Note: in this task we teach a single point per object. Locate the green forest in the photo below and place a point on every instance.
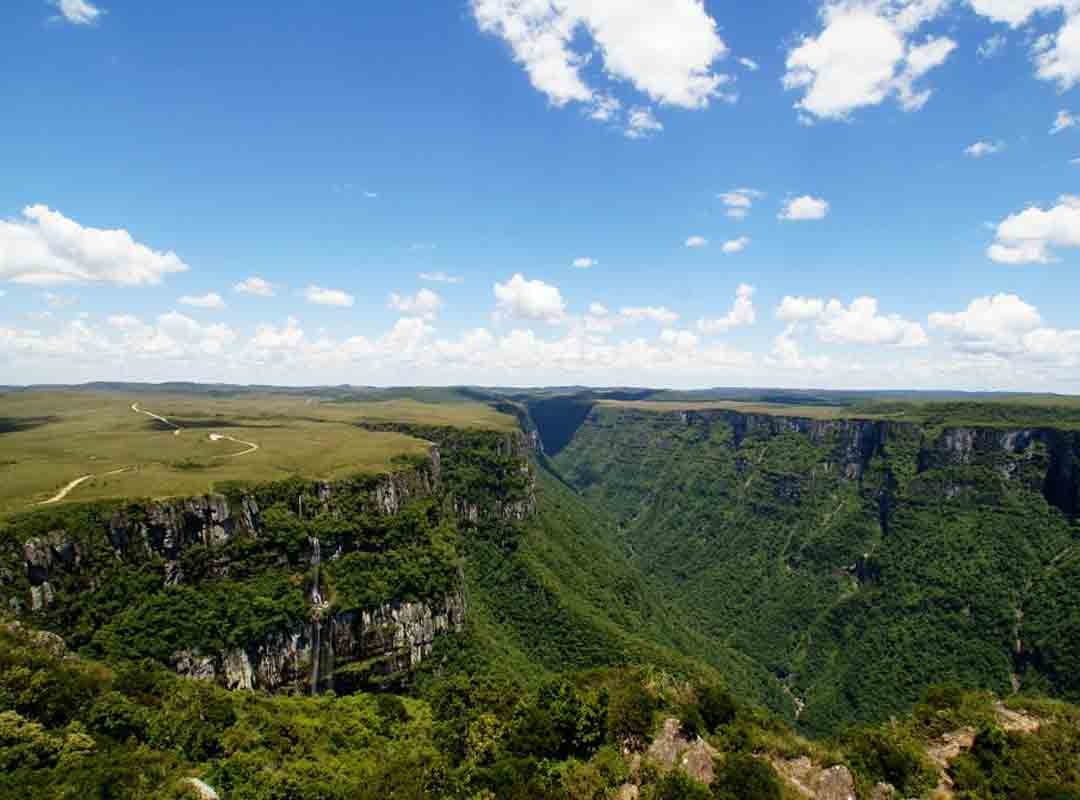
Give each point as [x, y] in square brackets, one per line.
[684, 604]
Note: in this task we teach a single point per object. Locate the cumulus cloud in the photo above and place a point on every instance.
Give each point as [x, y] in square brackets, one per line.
[440, 277]
[995, 324]
[642, 123]
[45, 248]
[983, 149]
[787, 355]
[736, 245]
[317, 295]
[738, 202]
[520, 298]
[585, 263]
[800, 309]
[804, 208]
[212, 300]
[695, 242]
[860, 323]
[750, 64]
[1058, 59]
[664, 49]
[742, 314]
[424, 304]
[659, 314]
[256, 286]
[78, 12]
[1057, 54]
[1063, 121]
[1029, 236]
[865, 53]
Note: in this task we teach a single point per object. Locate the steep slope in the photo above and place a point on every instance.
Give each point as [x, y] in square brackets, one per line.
[861, 561]
[564, 595]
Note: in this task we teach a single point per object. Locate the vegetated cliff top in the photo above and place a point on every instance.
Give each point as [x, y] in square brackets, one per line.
[1049, 411]
[79, 446]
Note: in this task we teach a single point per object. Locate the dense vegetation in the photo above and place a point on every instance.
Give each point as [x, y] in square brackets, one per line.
[859, 574]
[661, 566]
[75, 728]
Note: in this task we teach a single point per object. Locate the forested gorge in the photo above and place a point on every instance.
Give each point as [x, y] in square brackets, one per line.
[663, 606]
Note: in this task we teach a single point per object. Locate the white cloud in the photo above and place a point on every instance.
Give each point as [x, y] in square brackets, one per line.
[787, 355]
[319, 296]
[424, 304]
[1059, 60]
[1063, 121]
[736, 245]
[741, 314]
[641, 124]
[739, 201]
[270, 339]
[124, 321]
[680, 340]
[804, 208]
[750, 64]
[695, 242]
[46, 248]
[256, 286]
[212, 300]
[994, 324]
[992, 46]
[371, 195]
[520, 298]
[1013, 12]
[1029, 236]
[860, 323]
[865, 54]
[659, 314]
[440, 277]
[1057, 54]
[800, 309]
[982, 149]
[664, 49]
[585, 263]
[78, 12]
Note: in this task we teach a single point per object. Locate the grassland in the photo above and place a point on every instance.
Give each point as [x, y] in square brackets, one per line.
[48, 440]
[775, 409]
[1011, 412]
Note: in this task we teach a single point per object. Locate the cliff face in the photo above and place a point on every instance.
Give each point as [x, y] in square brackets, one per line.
[166, 530]
[352, 626]
[849, 557]
[1047, 457]
[389, 641]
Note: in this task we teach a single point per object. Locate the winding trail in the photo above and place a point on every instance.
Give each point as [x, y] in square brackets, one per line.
[77, 483]
[251, 446]
[158, 417]
[66, 490]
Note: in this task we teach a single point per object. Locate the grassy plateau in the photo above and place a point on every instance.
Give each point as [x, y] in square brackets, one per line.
[120, 445]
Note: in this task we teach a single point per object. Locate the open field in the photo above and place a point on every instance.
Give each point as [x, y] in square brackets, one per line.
[115, 445]
[776, 409]
[1017, 411]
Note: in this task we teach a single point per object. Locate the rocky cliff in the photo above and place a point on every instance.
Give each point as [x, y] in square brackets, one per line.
[352, 627]
[1048, 457]
[376, 645]
[851, 556]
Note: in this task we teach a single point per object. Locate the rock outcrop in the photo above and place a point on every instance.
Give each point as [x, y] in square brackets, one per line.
[388, 641]
[1049, 458]
[167, 529]
[815, 782]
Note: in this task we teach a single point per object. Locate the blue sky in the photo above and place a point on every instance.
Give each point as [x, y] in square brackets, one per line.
[903, 169]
